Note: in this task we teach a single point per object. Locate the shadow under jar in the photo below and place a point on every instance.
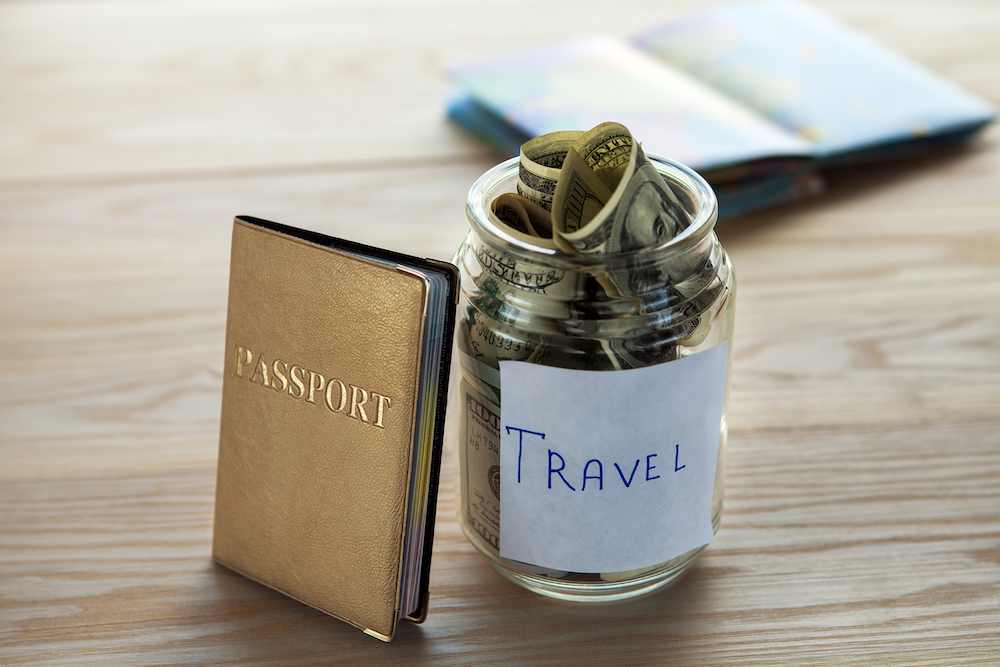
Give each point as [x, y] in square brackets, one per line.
[605, 500]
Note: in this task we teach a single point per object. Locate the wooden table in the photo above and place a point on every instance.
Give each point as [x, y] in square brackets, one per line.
[862, 520]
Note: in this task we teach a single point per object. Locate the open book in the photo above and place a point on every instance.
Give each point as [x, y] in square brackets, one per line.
[757, 96]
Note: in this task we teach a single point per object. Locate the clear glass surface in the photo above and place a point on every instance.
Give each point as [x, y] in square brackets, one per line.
[532, 302]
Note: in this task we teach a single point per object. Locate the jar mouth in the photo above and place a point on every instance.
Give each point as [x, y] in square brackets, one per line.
[503, 178]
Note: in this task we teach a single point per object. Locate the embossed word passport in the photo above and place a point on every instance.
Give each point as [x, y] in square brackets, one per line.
[333, 403]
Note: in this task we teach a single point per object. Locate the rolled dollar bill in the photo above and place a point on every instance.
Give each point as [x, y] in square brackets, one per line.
[543, 199]
[523, 215]
[606, 197]
[540, 162]
[607, 149]
[641, 210]
[580, 197]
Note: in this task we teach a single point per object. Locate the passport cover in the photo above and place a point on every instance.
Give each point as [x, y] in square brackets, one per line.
[320, 429]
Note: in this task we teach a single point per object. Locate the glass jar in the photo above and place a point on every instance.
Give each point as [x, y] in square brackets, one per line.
[531, 302]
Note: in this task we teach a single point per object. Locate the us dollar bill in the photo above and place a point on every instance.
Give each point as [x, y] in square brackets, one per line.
[580, 197]
[607, 150]
[640, 211]
[523, 215]
[606, 197]
[539, 166]
[479, 462]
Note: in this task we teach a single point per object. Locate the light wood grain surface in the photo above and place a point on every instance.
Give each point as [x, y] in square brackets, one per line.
[862, 519]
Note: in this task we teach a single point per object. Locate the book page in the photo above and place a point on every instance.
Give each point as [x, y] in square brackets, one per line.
[580, 84]
[816, 77]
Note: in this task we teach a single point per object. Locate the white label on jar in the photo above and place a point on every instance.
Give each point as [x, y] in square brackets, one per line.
[608, 471]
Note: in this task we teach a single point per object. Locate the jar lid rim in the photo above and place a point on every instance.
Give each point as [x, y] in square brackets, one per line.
[701, 225]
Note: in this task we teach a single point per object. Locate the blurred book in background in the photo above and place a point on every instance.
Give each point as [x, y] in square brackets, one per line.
[757, 96]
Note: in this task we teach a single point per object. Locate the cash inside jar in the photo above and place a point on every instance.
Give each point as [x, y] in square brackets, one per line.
[585, 254]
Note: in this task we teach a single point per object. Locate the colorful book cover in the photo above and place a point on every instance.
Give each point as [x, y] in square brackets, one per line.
[755, 95]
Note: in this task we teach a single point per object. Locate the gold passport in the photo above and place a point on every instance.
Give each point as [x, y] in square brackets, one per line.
[333, 400]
